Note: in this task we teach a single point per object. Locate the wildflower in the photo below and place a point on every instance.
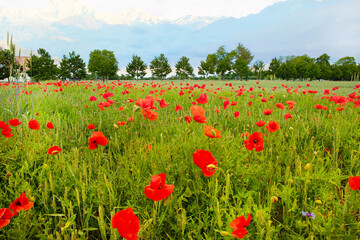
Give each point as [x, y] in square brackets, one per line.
[5, 216]
[14, 122]
[255, 142]
[267, 111]
[21, 203]
[188, 119]
[260, 123]
[236, 114]
[151, 115]
[272, 126]
[34, 124]
[92, 98]
[309, 215]
[198, 114]
[178, 107]
[202, 99]
[54, 150]
[7, 132]
[121, 123]
[212, 132]
[287, 116]
[96, 139]
[205, 161]
[158, 190]
[49, 125]
[163, 103]
[3, 125]
[239, 225]
[354, 182]
[127, 224]
[91, 126]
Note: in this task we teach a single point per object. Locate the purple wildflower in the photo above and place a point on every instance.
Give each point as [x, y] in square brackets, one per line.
[309, 215]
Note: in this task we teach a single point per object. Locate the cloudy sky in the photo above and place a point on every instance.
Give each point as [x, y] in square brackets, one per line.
[168, 9]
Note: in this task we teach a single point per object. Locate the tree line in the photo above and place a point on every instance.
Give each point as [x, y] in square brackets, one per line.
[223, 64]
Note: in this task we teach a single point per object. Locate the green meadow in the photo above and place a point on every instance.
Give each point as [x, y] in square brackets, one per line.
[303, 167]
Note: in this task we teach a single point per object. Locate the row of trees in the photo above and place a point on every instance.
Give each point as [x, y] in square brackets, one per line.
[221, 64]
[305, 67]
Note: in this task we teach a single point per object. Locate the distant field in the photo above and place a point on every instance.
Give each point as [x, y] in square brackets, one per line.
[303, 166]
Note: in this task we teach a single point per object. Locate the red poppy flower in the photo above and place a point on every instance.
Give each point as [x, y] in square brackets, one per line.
[202, 99]
[239, 225]
[49, 125]
[260, 123]
[272, 126]
[96, 139]
[267, 111]
[121, 123]
[280, 105]
[205, 161]
[354, 182]
[163, 103]
[198, 114]
[127, 224]
[3, 125]
[318, 106]
[14, 122]
[178, 107]
[34, 124]
[151, 115]
[188, 119]
[21, 203]
[226, 104]
[54, 150]
[92, 98]
[7, 132]
[250, 104]
[5, 215]
[287, 116]
[337, 109]
[212, 132]
[255, 142]
[91, 126]
[236, 114]
[291, 104]
[158, 190]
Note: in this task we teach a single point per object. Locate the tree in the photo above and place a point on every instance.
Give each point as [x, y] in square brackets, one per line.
[259, 68]
[323, 62]
[72, 67]
[42, 67]
[183, 68]
[160, 67]
[5, 63]
[241, 52]
[348, 67]
[103, 63]
[223, 61]
[136, 68]
[241, 68]
[275, 66]
[208, 67]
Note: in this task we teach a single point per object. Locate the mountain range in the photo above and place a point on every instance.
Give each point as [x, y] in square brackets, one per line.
[292, 27]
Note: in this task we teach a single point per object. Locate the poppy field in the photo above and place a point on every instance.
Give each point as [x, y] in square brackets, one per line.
[180, 160]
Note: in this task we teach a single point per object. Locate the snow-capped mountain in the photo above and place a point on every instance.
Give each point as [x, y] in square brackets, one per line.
[292, 27]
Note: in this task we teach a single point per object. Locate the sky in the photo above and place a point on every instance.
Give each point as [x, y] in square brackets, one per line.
[166, 9]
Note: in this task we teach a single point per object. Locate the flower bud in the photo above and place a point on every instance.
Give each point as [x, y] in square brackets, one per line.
[116, 126]
[307, 167]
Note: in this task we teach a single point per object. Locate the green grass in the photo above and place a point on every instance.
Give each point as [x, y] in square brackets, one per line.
[77, 191]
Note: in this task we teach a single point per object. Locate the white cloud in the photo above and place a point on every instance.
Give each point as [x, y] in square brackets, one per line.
[63, 38]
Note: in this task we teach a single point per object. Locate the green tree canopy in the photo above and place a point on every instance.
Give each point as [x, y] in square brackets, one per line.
[208, 67]
[323, 62]
[5, 63]
[241, 68]
[243, 52]
[103, 63]
[160, 66]
[259, 68]
[42, 67]
[348, 67]
[72, 67]
[184, 68]
[136, 68]
[275, 66]
[223, 61]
